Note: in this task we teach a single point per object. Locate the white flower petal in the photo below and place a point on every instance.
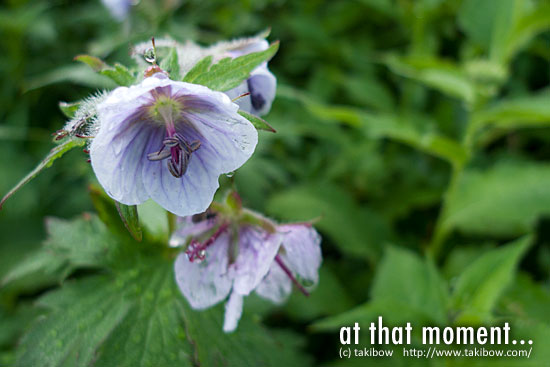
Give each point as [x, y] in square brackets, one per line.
[117, 157]
[233, 312]
[302, 250]
[276, 286]
[206, 283]
[257, 249]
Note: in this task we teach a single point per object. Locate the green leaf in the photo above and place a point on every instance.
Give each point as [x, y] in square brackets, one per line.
[200, 67]
[229, 73]
[259, 123]
[406, 288]
[133, 314]
[409, 131]
[55, 153]
[76, 74]
[527, 300]
[442, 75]
[481, 284]
[502, 201]
[117, 73]
[413, 130]
[418, 290]
[69, 109]
[510, 114]
[525, 29]
[171, 65]
[94, 62]
[120, 75]
[356, 230]
[129, 216]
[83, 242]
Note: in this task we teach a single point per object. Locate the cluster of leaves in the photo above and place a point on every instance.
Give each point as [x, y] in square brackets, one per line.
[416, 131]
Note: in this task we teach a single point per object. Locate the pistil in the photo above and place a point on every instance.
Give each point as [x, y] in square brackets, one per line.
[197, 250]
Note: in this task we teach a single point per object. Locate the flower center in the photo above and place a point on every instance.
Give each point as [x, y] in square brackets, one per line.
[167, 111]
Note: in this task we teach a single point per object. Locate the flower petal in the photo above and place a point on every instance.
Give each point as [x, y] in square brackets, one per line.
[187, 229]
[206, 283]
[276, 286]
[262, 86]
[257, 249]
[302, 255]
[117, 156]
[233, 312]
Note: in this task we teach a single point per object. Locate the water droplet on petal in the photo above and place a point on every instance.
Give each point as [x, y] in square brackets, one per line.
[230, 174]
[149, 55]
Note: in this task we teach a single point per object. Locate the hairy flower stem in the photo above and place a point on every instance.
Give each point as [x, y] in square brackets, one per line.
[289, 274]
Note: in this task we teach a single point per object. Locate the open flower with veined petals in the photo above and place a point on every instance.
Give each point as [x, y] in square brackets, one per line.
[230, 259]
[168, 141]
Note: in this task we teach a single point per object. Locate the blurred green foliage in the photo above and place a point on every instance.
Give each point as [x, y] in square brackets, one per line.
[417, 132]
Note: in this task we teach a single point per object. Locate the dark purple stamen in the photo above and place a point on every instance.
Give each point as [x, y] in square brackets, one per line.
[197, 250]
[291, 276]
[175, 147]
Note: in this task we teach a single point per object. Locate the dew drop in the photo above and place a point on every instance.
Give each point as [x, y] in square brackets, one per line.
[149, 55]
[230, 174]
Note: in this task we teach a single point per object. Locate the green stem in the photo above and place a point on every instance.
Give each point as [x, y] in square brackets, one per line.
[171, 217]
[441, 232]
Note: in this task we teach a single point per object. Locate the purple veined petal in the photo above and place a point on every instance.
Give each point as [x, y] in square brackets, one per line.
[205, 283]
[117, 156]
[228, 139]
[302, 250]
[276, 286]
[187, 195]
[188, 229]
[233, 312]
[257, 249]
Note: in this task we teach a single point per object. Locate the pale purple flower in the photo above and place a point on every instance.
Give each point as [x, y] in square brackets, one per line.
[119, 9]
[168, 141]
[261, 84]
[231, 261]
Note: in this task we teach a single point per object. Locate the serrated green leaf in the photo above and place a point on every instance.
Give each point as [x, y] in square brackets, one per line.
[69, 109]
[120, 75]
[229, 73]
[503, 201]
[55, 153]
[171, 65]
[129, 216]
[83, 242]
[134, 315]
[481, 284]
[259, 123]
[200, 67]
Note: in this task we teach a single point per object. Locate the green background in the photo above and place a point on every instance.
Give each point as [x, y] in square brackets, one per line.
[417, 132]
